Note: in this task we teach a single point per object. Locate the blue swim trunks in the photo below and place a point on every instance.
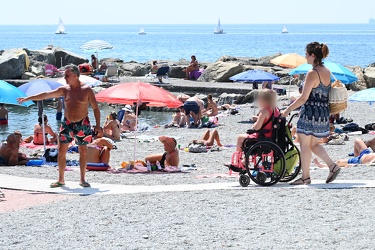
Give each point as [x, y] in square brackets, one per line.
[357, 159]
[191, 106]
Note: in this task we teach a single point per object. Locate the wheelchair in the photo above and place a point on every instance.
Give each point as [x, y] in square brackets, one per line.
[268, 160]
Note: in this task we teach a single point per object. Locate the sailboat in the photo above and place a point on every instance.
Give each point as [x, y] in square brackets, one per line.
[141, 31]
[285, 30]
[60, 27]
[218, 29]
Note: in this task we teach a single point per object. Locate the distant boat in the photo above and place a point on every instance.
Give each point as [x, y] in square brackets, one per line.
[218, 29]
[60, 27]
[285, 30]
[141, 31]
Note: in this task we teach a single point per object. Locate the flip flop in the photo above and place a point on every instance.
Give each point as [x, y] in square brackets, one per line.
[56, 184]
[85, 184]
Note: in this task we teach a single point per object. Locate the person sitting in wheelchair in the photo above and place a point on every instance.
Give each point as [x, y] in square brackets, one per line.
[262, 128]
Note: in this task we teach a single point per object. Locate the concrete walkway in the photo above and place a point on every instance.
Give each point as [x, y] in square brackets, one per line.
[42, 185]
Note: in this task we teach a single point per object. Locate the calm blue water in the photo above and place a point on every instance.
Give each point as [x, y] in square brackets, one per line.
[350, 44]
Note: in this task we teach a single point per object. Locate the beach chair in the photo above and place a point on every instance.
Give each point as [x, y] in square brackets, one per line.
[162, 72]
[112, 71]
[51, 71]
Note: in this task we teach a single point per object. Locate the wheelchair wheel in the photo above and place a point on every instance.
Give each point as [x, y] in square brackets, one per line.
[244, 180]
[265, 163]
[296, 170]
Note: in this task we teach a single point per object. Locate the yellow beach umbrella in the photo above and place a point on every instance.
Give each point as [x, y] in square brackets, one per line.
[291, 60]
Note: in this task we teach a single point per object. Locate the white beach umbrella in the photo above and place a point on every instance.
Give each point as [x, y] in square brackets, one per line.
[96, 45]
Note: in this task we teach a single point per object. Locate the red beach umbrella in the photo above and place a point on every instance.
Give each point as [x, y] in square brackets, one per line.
[136, 92]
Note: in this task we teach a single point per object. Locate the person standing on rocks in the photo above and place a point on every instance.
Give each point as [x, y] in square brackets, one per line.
[75, 124]
[314, 115]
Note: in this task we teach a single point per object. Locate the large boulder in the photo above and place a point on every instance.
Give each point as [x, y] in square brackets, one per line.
[64, 57]
[134, 69]
[369, 76]
[220, 72]
[13, 63]
[361, 83]
[176, 72]
[42, 56]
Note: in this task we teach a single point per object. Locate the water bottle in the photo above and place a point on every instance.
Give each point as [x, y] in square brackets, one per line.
[148, 166]
[158, 165]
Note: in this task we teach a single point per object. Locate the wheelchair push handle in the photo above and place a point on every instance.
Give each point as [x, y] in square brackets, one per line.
[291, 118]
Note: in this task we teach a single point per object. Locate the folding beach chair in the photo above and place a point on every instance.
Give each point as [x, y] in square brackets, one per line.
[112, 71]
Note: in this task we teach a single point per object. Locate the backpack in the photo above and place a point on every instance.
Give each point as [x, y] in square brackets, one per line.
[51, 154]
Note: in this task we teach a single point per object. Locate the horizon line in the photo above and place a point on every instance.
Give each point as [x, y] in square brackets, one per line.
[153, 24]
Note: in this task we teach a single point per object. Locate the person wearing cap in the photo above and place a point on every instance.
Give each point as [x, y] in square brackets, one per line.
[170, 157]
[112, 127]
[129, 120]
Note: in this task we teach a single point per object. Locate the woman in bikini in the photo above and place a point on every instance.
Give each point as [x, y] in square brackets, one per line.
[112, 128]
[129, 120]
[37, 138]
[170, 158]
[99, 150]
[193, 66]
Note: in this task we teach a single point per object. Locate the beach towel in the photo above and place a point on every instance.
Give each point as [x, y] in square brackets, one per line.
[166, 170]
[34, 146]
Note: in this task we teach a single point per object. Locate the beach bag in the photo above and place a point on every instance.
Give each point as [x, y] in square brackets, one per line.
[51, 154]
[291, 160]
[197, 148]
[338, 97]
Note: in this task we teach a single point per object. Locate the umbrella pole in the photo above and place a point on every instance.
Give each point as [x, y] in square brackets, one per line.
[290, 82]
[136, 131]
[43, 129]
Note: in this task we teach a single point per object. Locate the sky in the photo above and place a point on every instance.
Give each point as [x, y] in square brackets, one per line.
[19, 12]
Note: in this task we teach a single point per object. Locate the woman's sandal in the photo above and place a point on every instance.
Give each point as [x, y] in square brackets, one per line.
[333, 173]
[301, 181]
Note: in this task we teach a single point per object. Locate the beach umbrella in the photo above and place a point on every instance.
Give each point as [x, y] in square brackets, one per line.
[291, 60]
[96, 45]
[135, 92]
[339, 72]
[36, 87]
[367, 95]
[138, 92]
[91, 81]
[254, 76]
[10, 93]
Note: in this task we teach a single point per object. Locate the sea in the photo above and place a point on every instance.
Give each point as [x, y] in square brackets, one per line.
[350, 44]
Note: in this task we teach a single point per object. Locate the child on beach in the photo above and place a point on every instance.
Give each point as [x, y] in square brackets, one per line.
[267, 100]
[179, 119]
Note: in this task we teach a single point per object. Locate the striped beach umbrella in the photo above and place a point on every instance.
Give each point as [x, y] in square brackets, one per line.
[95, 46]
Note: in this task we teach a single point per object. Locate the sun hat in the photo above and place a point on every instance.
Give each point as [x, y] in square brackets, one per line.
[128, 108]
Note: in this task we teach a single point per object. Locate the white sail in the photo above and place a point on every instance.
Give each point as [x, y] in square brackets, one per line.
[218, 29]
[285, 30]
[60, 27]
[141, 30]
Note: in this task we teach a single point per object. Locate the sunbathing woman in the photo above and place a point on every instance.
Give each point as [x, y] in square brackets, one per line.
[208, 138]
[37, 138]
[112, 127]
[362, 155]
[212, 109]
[170, 157]
[193, 66]
[129, 120]
[98, 151]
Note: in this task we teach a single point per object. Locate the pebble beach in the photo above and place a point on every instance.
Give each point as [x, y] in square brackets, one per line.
[248, 218]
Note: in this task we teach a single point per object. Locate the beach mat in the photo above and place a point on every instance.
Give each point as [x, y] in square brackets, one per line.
[43, 185]
[136, 171]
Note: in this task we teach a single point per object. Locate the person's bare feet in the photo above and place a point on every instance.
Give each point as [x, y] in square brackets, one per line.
[318, 164]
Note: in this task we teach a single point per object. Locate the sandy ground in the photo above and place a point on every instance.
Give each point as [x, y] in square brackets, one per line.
[258, 219]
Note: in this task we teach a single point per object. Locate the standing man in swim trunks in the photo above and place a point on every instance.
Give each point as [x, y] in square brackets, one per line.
[75, 124]
[3, 114]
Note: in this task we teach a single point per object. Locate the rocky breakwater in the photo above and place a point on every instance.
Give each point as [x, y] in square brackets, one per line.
[25, 64]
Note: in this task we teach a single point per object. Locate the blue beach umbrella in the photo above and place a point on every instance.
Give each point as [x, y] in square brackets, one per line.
[340, 72]
[10, 93]
[367, 95]
[254, 76]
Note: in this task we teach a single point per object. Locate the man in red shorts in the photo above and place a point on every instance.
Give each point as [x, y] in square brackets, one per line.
[76, 124]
